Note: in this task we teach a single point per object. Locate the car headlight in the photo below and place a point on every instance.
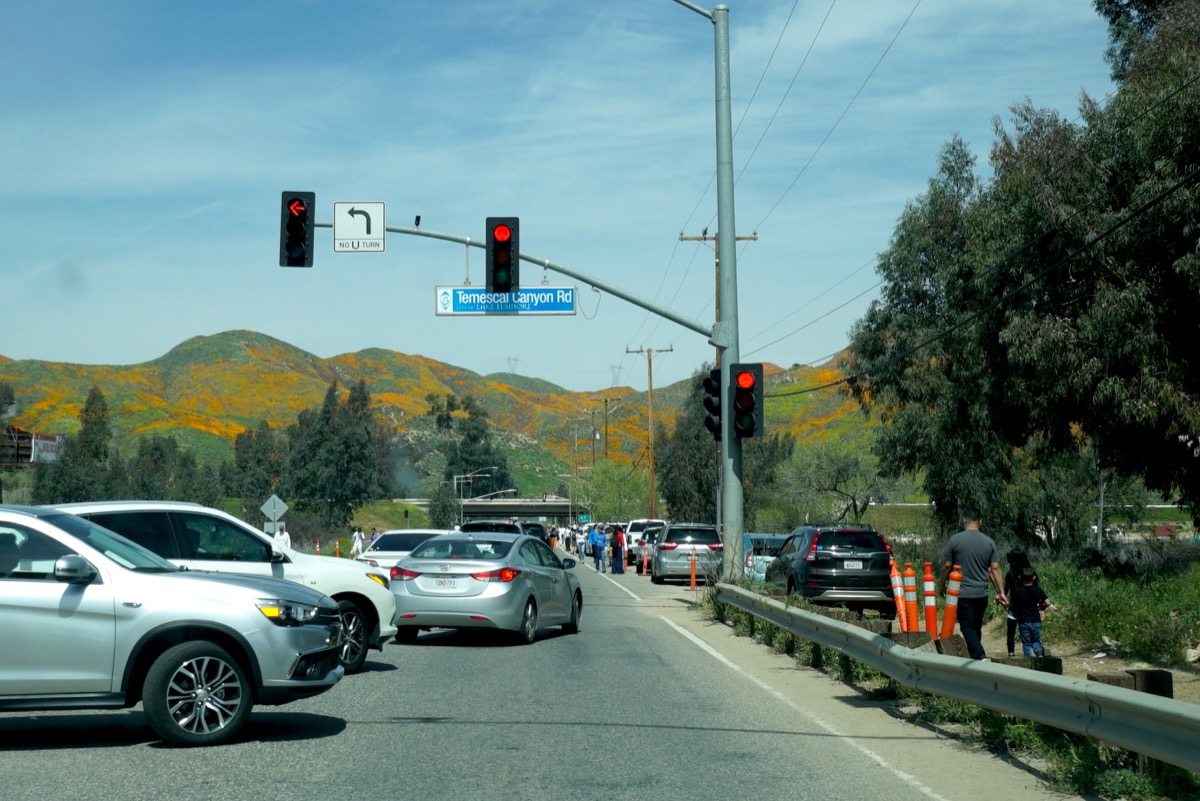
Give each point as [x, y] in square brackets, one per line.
[383, 582]
[286, 613]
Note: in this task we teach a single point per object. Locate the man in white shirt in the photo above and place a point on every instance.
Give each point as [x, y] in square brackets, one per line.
[281, 535]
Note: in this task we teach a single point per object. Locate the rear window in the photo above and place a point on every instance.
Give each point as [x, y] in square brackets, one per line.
[850, 540]
[398, 542]
[498, 526]
[456, 548]
[701, 536]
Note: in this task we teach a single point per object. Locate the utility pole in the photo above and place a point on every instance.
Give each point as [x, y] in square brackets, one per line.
[606, 429]
[650, 408]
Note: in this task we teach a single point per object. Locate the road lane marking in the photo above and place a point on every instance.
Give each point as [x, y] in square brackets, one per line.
[907, 778]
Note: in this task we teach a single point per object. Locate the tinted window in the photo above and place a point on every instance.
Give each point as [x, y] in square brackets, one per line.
[398, 542]
[151, 530]
[699, 536]
[855, 540]
[498, 526]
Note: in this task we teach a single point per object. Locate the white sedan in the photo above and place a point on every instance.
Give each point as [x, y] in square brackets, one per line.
[395, 544]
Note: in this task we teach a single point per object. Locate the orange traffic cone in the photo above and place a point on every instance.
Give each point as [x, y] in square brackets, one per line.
[898, 596]
[931, 623]
[318, 547]
[950, 615]
[913, 623]
[337, 548]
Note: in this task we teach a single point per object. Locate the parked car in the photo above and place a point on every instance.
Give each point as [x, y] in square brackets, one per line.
[643, 547]
[91, 620]
[486, 580]
[759, 550]
[493, 526]
[633, 532]
[679, 545]
[848, 565]
[200, 538]
[394, 544]
[536, 529]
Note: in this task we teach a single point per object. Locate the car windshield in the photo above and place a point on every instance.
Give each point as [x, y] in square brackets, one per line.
[126, 553]
[700, 536]
[462, 548]
[399, 542]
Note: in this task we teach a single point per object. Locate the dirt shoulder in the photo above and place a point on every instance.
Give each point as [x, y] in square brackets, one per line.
[1079, 660]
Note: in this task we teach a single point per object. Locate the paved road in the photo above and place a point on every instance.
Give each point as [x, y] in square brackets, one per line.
[649, 701]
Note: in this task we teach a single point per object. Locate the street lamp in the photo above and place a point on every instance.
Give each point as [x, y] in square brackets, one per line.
[459, 484]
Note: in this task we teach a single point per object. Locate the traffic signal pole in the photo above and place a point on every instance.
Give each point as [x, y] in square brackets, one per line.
[723, 334]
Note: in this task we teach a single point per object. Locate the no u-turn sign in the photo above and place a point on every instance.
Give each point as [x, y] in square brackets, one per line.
[358, 227]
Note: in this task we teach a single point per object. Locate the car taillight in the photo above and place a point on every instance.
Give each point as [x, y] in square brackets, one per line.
[811, 556]
[749, 558]
[668, 546]
[370, 562]
[886, 544]
[505, 574]
[403, 574]
[716, 546]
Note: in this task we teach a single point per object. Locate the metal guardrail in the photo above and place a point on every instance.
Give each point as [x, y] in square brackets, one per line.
[1161, 728]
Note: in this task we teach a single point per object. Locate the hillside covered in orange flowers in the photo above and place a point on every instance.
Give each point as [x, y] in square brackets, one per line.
[208, 389]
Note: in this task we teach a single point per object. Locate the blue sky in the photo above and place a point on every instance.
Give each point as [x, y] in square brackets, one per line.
[145, 146]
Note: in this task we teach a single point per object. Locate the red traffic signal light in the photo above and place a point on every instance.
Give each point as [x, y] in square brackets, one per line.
[747, 399]
[296, 224]
[503, 254]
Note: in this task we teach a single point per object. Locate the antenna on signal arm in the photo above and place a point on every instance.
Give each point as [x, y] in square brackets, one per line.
[714, 238]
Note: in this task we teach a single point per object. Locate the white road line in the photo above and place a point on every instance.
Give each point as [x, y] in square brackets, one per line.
[883, 763]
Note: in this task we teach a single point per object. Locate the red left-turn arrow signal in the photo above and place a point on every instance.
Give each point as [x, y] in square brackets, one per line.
[296, 207]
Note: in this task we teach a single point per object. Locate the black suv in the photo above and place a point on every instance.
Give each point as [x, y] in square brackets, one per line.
[838, 564]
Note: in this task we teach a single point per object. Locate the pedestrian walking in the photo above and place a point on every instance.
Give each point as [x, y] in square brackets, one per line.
[979, 561]
[356, 546]
[581, 539]
[618, 550]
[281, 535]
[1018, 560]
[599, 543]
[1028, 603]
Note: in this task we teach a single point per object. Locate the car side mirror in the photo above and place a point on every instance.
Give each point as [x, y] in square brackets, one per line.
[73, 569]
[568, 563]
[277, 557]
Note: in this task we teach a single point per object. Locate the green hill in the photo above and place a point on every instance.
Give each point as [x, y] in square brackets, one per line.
[208, 389]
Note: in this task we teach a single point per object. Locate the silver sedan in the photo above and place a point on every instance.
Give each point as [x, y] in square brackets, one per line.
[507, 582]
[395, 544]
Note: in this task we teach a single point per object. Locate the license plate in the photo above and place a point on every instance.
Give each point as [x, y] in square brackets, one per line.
[447, 583]
[852, 564]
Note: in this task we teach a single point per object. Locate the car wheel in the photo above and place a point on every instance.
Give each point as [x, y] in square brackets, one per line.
[407, 634]
[354, 631]
[196, 694]
[654, 577]
[572, 625]
[528, 630]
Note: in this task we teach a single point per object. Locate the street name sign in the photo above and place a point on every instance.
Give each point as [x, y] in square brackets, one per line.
[358, 227]
[540, 299]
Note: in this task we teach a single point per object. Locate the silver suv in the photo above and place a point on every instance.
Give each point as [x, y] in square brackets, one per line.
[200, 538]
[679, 545]
[94, 621]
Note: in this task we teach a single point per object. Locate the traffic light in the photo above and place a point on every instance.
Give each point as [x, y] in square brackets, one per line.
[712, 403]
[503, 254]
[747, 400]
[296, 229]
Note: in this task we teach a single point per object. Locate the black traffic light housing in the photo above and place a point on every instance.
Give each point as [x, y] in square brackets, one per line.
[296, 222]
[503, 254]
[712, 404]
[746, 390]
